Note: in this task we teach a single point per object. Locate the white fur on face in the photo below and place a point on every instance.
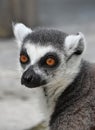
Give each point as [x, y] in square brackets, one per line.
[35, 52]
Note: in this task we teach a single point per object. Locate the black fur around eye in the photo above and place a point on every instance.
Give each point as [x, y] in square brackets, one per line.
[50, 60]
[24, 58]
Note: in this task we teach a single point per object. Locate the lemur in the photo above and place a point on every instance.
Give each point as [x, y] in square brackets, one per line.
[53, 61]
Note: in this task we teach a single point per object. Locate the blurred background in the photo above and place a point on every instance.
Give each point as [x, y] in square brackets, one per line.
[71, 16]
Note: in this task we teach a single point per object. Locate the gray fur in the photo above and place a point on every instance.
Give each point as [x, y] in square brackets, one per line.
[45, 37]
[75, 108]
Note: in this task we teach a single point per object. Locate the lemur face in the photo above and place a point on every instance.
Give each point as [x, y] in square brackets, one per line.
[39, 63]
[47, 55]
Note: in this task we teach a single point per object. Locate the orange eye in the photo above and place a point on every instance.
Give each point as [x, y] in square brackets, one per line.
[23, 58]
[50, 61]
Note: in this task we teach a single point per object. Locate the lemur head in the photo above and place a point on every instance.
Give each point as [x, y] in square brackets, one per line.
[47, 55]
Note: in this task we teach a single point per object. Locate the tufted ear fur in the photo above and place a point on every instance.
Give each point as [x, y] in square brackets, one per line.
[20, 32]
[75, 44]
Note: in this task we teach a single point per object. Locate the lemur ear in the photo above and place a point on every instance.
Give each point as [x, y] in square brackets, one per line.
[75, 44]
[20, 31]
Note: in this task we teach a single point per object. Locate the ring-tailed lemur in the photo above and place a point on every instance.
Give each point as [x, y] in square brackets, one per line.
[52, 60]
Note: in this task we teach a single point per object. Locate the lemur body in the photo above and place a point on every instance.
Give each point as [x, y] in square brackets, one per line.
[52, 60]
[75, 108]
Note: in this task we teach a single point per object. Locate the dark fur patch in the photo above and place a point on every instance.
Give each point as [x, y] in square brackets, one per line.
[42, 62]
[46, 37]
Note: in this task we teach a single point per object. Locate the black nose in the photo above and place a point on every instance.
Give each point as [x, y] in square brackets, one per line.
[31, 79]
